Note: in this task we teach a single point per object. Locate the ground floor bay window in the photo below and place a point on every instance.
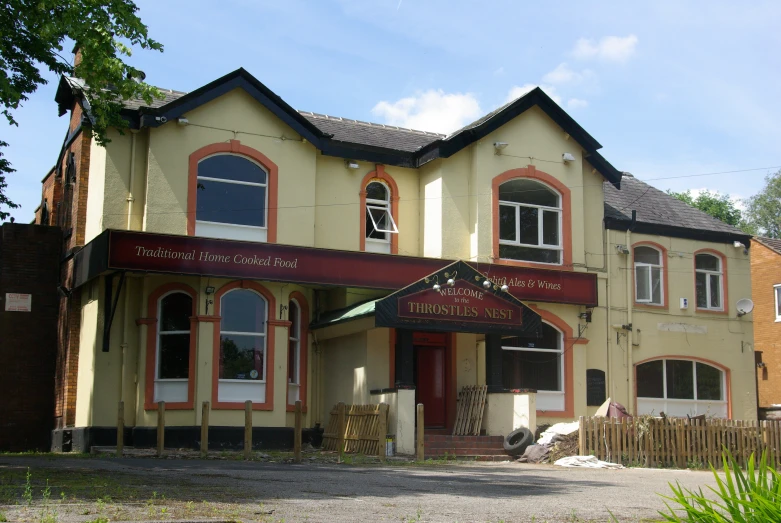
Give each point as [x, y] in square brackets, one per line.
[680, 388]
[537, 364]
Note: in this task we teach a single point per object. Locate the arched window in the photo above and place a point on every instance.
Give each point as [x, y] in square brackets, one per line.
[231, 198]
[379, 218]
[172, 355]
[680, 388]
[294, 353]
[649, 282]
[709, 279]
[529, 222]
[536, 364]
[242, 371]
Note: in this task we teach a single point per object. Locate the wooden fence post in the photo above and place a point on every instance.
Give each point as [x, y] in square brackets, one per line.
[582, 436]
[160, 428]
[341, 429]
[382, 429]
[120, 429]
[297, 434]
[204, 429]
[419, 444]
[247, 428]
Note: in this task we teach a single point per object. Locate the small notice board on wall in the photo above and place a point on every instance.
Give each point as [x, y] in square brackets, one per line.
[16, 302]
[595, 387]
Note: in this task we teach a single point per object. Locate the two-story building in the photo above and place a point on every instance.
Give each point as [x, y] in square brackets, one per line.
[230, 248]
[766, 293]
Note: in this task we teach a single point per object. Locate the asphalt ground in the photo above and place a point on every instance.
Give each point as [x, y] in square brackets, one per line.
[84, 489]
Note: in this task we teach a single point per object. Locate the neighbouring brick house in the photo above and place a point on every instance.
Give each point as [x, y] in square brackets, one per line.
[766, 293]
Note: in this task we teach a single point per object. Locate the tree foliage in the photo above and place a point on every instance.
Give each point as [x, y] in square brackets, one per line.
[720, 206]
[764, 208]
[32, 35]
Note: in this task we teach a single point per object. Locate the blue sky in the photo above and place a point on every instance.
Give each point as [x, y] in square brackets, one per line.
[670, 88]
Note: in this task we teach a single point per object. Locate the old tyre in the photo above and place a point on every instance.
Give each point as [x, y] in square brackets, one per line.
[516, 442]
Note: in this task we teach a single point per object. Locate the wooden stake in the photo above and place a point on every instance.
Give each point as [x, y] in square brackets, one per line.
[382, 431]
[582, 436]
[341, 429]
[247, 428]
[120, 429]
[297, 434]
[420, 450]
[204, 429]
[160, 428]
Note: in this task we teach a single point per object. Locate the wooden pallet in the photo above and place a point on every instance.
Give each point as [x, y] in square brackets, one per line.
[471, 405]
[361, 429]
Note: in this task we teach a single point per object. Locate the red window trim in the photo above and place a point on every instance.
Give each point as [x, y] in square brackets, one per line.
[270, 348]
[303, 343]
[151, 322]
[531, 172]
[663, 257]
[725, 294]
[379, 175]
[234, 147]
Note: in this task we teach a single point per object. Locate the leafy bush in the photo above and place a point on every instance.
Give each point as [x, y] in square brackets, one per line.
[752, 496]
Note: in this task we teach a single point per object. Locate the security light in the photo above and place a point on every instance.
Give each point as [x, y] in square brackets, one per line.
[499, 146]
[567, 157]
[350, 164]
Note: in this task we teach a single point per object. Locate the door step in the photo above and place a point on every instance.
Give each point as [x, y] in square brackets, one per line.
[480, 448]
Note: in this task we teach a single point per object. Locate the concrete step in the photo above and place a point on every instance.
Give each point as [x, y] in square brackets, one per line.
[463, 444]
[462, 439]
[464, 451]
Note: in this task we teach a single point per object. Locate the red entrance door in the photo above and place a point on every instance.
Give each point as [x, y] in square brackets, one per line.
[430, 384]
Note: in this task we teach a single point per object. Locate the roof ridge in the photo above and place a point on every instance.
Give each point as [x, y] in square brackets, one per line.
[371, 124]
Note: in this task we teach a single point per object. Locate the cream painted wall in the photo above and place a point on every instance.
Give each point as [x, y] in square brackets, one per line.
[86, 367]
[344, 371]
[96, 192]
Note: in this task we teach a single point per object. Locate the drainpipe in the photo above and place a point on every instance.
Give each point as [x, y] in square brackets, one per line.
[609, 323]
[130, 197]
[629, 309]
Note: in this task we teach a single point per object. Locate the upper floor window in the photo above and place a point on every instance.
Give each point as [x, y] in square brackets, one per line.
[231, 198]
[529, 222]
[379, 218]
[172, 361]
[777, 292]
[708, 281]
[294, 353]
[649, 287]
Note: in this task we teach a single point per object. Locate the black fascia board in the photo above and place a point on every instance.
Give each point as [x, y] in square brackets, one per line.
[677, 232]
[607, 170]
[239, 78]
[367, 153]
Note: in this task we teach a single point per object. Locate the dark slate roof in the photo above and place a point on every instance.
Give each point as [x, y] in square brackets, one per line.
[372, 134]
[658, 211]
[771, 243]
[168, 97]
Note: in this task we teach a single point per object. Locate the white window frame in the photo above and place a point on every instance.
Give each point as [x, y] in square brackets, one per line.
[549, 400]
[708, 273]
[380, 244]
[294, 338]
[777, 292]
[227, 230]
[540, 232]
[651, 267]
[165, 388]
[696, 403]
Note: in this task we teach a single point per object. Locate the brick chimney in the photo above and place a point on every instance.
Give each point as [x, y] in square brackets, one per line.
[76, 55]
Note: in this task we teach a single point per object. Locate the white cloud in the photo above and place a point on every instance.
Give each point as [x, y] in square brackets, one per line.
[432, 110]
[499, 72]
[609, 49]
[562, 75]
[519, 90]
[577, 103]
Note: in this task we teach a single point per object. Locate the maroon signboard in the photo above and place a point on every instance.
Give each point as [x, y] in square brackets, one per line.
[463, 302]
[148, 252]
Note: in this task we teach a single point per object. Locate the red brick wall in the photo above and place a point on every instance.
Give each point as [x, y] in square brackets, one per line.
[766, 272]
[29, 263]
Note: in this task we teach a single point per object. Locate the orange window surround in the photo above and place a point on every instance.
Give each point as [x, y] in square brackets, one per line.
[379, 174]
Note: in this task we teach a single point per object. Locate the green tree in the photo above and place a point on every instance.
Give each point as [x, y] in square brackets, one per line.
[720, 206]
[764, 208]
[32, 35]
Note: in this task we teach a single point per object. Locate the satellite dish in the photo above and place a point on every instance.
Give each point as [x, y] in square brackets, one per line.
[744, 306]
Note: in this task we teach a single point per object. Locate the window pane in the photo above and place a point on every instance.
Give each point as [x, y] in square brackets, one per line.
[513, 252]
[656, 285]
[174, 359]
[231, 203]
[507, 223]
[708, 382]
[376, 191]
[371, 232]
[522, 190]
[382, 222]
[647, 255]
[707, 262]
[531, 370]
[292, 315]
[650, 380]
[230, 167]
[680, 379]
[551, 339]
[292, 361]
[778, 301]
[243, 311]
[529, 226]
[550, 228]
[240, 355]
[700, 279]
[175, 312]
[643, 282]
[715, 291]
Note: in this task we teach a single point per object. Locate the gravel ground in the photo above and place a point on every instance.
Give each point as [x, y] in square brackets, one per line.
[90, 489]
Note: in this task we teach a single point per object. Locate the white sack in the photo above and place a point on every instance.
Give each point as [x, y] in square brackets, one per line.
[590, 462]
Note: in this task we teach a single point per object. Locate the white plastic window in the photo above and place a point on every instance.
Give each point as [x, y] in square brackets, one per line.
[294, 353]
[777, 290]
[649, 267]
[379, 218]
[529, 222]
[681, 387]
[708, 282]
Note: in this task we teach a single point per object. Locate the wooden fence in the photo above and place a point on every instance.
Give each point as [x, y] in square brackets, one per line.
[469, 416]
[360, 428]
[676, 442]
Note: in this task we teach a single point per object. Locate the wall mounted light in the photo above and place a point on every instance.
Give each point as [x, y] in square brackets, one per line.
[567, 157]
[182, 121]
[505, 288]
[210, 290]
[498, 146]
[487, 284]
[350, 164]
